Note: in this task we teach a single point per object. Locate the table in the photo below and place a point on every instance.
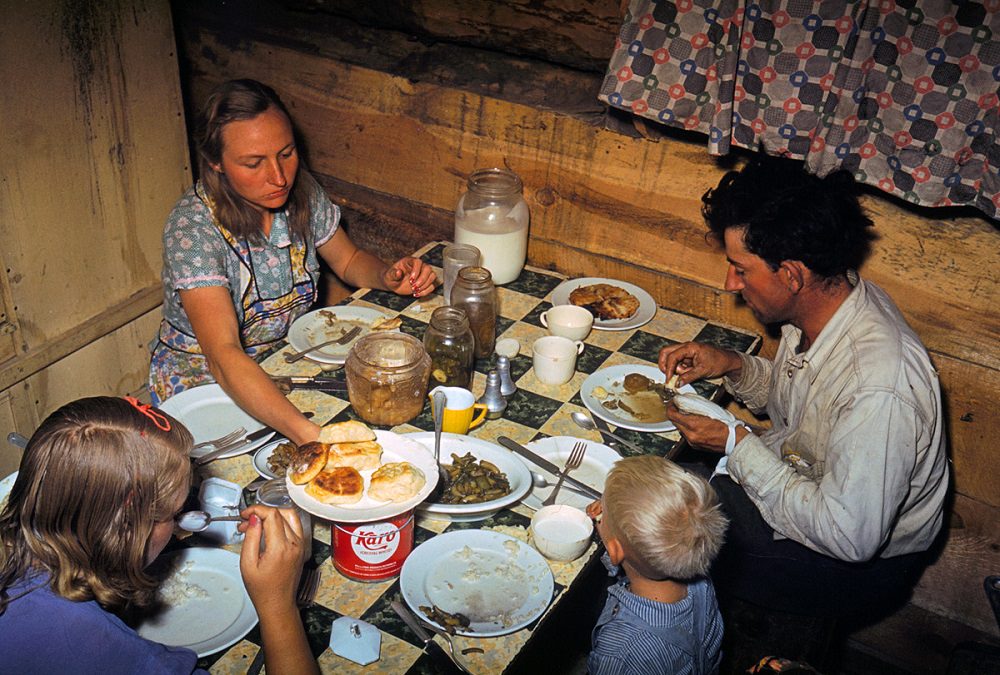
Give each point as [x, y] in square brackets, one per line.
[535, 411]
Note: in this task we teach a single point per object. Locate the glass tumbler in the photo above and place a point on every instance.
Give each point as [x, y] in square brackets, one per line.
[455, 257]
[275, 493]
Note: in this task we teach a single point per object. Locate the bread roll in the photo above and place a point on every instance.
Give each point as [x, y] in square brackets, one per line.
[362, 456]
[396, 482]
[339, 485]
[307, 461]
[351, 431]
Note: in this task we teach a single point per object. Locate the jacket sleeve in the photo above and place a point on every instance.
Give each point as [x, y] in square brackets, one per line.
[850, 512]
[754, 383]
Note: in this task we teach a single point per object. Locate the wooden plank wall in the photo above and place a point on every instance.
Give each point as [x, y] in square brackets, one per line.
[603, 202]
[95, 155]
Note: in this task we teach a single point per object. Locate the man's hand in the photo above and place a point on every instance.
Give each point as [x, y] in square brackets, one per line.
[701, 431]
[692, 361]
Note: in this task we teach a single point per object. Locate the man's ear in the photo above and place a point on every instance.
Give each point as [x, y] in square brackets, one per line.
[793, 273]
[616, 552]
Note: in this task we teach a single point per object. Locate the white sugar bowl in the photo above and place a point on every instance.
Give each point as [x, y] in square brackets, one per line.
[561, 532]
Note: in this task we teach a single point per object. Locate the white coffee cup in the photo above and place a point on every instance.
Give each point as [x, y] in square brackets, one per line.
[554, 358]
[569, 321]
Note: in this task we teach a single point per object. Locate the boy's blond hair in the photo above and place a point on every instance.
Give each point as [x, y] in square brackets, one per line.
[668, 520]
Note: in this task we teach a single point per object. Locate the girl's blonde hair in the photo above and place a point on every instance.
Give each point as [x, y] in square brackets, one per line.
[667, 519]
[95, 478]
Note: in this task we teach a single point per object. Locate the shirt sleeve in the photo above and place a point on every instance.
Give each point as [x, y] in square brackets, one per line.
[850, 512]
[324, 214]
[754, 384]
[194, 251]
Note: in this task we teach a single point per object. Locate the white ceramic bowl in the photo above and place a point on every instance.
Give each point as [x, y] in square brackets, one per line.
[517, 475]
[561, 532]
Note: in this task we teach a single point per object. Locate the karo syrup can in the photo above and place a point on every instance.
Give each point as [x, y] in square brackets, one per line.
[373, 551]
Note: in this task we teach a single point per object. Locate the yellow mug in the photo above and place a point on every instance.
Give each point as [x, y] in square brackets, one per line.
[459, 409]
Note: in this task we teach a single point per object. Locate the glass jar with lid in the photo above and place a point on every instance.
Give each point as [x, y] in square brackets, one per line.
[493, 216]
[387, 376]
[475, 293]
[450, 344]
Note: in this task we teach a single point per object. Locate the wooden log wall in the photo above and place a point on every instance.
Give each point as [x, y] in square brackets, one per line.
[94, 158]
[394, 122]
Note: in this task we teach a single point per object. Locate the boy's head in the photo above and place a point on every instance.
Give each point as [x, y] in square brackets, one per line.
[665, 521]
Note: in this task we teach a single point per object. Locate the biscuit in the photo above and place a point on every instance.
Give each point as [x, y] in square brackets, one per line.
[339, 485]
[396, 482]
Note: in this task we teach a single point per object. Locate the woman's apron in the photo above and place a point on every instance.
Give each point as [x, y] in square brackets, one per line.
[177, 361]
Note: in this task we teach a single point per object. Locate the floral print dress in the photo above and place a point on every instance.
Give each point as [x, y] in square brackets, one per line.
[271, 284]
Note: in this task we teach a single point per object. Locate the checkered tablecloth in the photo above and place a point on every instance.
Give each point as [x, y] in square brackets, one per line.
[534, 411]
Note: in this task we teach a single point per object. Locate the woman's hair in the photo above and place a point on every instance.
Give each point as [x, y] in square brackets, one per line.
[235, 101]
[790, 214]
[95, 478]
[667, 519]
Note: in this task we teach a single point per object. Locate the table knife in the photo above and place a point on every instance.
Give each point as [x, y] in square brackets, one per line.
[511, 444]
[435, 650]
[248, 440]
[288, 383]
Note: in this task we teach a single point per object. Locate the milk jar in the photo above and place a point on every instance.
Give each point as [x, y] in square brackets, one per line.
[493, 216]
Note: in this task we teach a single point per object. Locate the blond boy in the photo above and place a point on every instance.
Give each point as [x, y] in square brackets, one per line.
[663, 526]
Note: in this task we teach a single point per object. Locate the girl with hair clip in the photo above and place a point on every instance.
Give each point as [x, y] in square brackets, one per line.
[241, 253]
[93, 504]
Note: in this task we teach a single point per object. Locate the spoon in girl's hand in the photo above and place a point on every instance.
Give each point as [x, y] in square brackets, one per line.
[198, 521]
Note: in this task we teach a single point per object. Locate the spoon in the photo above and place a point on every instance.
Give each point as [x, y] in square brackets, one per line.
[437, 412]
[198, 521]
[585, 422]
[540, 481]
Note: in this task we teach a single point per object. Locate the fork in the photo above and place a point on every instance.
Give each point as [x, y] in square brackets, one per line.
[342, 340]
[307, 586]
[574, 462]
[221, 440]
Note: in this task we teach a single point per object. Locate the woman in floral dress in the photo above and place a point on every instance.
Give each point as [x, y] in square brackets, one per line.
[241, 253]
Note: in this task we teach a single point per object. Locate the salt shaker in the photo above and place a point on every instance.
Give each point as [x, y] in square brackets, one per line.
[494, 400]
[507, 386]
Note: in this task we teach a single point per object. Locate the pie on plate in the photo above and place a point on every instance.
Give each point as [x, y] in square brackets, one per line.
[605, 301]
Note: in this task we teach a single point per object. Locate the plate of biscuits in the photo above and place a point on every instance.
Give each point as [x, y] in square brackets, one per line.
[616, 305]
[355, 474]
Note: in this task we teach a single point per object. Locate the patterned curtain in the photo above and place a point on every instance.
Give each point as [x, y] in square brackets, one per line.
[904, 93]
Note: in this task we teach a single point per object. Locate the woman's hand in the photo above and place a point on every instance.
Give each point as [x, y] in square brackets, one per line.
[692, 361]
[409, 276]
[271, 576]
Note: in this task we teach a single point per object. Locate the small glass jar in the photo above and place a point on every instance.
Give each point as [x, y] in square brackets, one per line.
[450, 344]
[493, 216]
[387, 377]
[475, 293]
[275, 493]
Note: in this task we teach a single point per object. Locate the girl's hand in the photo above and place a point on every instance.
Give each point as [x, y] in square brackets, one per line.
[409, 276]
[271, 576]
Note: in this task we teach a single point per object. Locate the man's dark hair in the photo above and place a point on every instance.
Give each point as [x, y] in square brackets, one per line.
[790, 214]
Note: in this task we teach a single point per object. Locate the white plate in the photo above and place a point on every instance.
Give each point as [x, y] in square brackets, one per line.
[597, 461]
[517, 473]
[209, 413]
[312, 329]
[395, 448]
[263, 454]
[204, 624]
[642, 316]
[611, 379]
[500, 583]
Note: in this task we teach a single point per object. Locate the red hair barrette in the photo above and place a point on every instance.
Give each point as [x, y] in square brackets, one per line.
[159, 419]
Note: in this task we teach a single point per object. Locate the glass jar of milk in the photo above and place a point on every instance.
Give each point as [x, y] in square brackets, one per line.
[493, 216]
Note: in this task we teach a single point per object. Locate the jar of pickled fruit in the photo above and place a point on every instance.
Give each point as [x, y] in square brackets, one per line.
[449, 343]
[387, 375]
